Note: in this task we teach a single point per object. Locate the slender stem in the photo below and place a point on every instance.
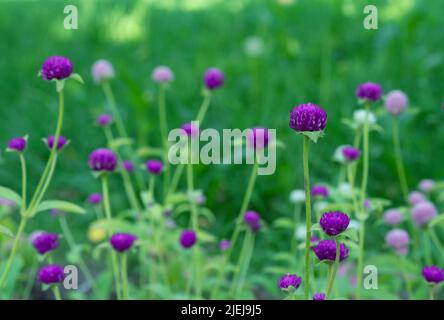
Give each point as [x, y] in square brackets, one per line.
[114, 262]
[334, 269]
[175, 180]
[56, 291]
[243, 264]
[164, 135]
[152, 183]
[204, 107]
[436, 241]
[432, 292]
[398, 158]
[46, 184]
[124, 276]
[294, 243]
[307, 218]
[31, 279]
[24, 188]
[351, 181]
[427, 250]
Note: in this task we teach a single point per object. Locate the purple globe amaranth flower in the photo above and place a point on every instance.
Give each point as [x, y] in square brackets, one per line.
[326, 250]
[319, 190]
[393, 217]
[162, 74]
[426, 185]
[102, 70]
[319, 296]
[50, 274]
[398, 239]
[17, 144]
[44, 242]
[122, 242]
[308, 117]
[334, 223]
[56, 67]
[213, 78]
[423, 212]
[369, 91]
[61, 142]
[224, 244]
[396, 102]
[190, 129]
[104, 120]
[102, 160]
[95, 198]
[289, 280]
[253, 220]
[433, 274]
[258, 138]
[188, 238]
[416, 197]
[350, 153]
[128, 166]
[154, 166]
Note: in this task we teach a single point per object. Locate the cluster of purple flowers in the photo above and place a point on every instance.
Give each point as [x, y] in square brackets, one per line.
[253, 220]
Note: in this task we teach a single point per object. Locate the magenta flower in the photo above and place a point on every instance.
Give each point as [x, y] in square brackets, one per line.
[154, 166]
[398, 239]
[190, 129]
[416, 197]
[319, 296]
[369, 91]
[396, 102]
[289, 280]
[56, 67]
[258, 138]
[128, 166]
[213, 78]
[334, 223]
[393, 217]
[61, 142]
[102, 70]
[50, 274]
[426, 185]
[95, 198]
[188, 238]
[162, 74]
[423, 212]
[253, 220]
[45, 242]
[433, 274]
[350, 153]
[17, 144]
[102, 160]
[224, 244]
[122, 242]
[326, 250]
[308, 117]
[104, 120]
[320, 191]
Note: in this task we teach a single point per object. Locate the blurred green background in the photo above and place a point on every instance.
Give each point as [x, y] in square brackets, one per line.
[275, 54]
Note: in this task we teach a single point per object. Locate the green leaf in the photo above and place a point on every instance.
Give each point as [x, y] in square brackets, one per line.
[60, 84]
[350, 233]
[284, 223]
[437, 220]
[119, 142]
[316, 227]
[313, 135]
[5, 231]
[149, 151]
[64, 206]
[77, 77]
[10, 194]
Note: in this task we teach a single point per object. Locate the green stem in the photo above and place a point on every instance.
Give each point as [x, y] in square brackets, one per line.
[432, 292]
[124, 276]
[334, 269]
[24, 188]
[164, 135]
[204, 107]
[56, 291]
[243, 264]
[427, 249]
[398, 159]
[46, 184]
[107, 207]
[294, 243]
[175, 180]
[307, 218]
[436, 241]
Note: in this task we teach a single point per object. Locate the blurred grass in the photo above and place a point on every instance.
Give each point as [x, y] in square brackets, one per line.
[314, 50]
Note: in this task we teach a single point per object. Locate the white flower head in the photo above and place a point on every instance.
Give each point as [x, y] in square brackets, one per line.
[254, 46]
[360, 115]
[297, 196]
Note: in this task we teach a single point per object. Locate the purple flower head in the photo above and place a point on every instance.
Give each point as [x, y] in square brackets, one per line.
[17, 144]
[289, 280]
[154, 166]
[162, 74]
[393, 217]
[95, 198]
[128, 165]
[423, 212]
[253, 220]
[426, 185]
[433, 274]
[188, 238]
[7, 203]
[45, 242]
[319, 191]
[224, 244]
[213, 78]
[104, 120]
[319, 296]
[56, 67]
[398, 239]
[334, 223]
[60, 142]
[308, 117]
[102, 160]
[369, 91]
[258, 138]
[190, 129]
[396, 102]
[326, 250]
[102, 70]
[56, 212]
[52, 273]
[350, 153]
[122, 241]
[416, 197]
[367, 204]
